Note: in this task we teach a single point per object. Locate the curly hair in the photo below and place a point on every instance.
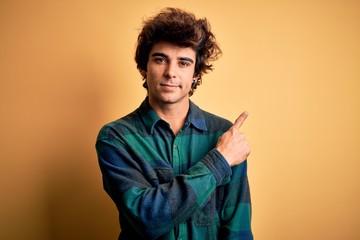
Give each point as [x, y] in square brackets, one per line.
[183, 29]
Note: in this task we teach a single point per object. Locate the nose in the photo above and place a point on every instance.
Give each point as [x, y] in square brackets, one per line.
[170, 71]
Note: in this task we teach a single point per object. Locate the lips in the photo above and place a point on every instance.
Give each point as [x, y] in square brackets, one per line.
[168, 86]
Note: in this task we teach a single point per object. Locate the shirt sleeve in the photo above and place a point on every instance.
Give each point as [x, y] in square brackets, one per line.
[236, 212]
[151, 207]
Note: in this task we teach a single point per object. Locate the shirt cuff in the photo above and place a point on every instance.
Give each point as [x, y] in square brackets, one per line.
[217, 164]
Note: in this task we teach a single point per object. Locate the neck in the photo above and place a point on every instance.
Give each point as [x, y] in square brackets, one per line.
[174, 114]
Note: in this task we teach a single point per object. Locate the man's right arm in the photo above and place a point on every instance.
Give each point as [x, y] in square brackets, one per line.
[154, 208]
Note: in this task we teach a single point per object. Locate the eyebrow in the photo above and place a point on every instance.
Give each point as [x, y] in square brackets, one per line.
[159, 54]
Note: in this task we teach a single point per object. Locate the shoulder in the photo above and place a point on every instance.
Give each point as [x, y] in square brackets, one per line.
[210, 121]
[215, 122]
[122, 126]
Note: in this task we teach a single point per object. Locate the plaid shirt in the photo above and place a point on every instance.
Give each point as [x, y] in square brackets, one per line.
[173, 187]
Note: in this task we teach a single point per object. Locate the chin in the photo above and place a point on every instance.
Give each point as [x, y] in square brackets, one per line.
[172, 100]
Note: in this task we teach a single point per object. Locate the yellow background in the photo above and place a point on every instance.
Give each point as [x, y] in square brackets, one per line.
[66, 68]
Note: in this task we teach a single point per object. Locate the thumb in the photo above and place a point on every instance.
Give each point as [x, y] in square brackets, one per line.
[240, 120]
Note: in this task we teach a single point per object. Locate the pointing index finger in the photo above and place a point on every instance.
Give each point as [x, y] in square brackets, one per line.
[240, 120]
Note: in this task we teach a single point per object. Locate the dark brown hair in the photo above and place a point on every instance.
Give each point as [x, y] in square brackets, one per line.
[181, 28]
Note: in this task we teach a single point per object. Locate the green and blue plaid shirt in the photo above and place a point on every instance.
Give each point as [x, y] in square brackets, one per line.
[173, 187]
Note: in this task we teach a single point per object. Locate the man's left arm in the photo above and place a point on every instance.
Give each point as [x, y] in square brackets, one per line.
[236, 211]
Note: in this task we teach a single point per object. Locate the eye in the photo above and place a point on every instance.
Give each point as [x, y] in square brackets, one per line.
[184, 63]
[160, 60]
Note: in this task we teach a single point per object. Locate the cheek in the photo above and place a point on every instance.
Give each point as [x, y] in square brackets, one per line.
[188, 85]
[189, 79]
[151, 75]
[155, 72]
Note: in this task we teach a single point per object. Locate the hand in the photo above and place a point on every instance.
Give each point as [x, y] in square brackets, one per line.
[233, 145]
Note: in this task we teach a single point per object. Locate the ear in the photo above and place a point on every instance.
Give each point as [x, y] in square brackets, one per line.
[194, 82]
[143, 73]
[197, 78]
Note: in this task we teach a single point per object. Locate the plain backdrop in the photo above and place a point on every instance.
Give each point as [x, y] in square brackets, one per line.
[67, 68]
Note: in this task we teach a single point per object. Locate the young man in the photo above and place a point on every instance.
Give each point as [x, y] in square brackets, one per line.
[173, 170]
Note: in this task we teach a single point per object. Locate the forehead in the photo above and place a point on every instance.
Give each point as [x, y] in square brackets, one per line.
[172, 50]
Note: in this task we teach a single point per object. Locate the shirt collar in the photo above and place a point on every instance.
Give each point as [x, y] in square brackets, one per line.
[195, 116]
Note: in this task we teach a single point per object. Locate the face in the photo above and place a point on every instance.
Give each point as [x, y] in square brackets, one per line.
[170, 73]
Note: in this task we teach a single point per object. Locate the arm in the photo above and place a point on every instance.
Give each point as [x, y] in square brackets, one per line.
[236, 211]
[151, 207]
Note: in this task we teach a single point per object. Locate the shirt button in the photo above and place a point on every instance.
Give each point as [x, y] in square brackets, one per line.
[175, 146]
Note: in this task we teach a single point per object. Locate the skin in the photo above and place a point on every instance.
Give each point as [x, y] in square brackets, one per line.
[169, 76]
[233, 144]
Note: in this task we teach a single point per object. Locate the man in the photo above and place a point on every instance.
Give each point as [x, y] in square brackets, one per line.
[173, 170]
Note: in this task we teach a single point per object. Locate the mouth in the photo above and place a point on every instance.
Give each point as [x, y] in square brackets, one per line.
[168, 86]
